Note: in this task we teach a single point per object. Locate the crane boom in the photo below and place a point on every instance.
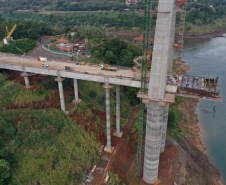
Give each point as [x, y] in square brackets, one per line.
[7, 30]
[11, 32]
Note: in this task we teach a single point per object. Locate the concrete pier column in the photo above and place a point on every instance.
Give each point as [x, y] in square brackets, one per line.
[76, 100]
[26, 79]
[164, 127]
[152, 142]
[108, 147]
[118, 133]
[61, 92]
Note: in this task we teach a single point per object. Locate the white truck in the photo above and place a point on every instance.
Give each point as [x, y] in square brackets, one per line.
[42, 59]
[107, 67]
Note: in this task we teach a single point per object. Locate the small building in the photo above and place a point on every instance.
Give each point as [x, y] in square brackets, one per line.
[62, 40]
[66, 47]
[127, 10]
[48, 36]
[131, 2]
[81, 48]
[74, 2]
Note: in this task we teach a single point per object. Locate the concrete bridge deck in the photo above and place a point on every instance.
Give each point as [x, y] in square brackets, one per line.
[123, 76]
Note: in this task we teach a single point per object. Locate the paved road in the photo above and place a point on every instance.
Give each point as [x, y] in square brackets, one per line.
[39, 51]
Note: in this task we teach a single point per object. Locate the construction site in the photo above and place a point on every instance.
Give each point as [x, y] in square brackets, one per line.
[156, 158]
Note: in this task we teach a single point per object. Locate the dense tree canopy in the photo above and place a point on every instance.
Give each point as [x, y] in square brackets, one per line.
[25, 29]
[67, 5]
[114, 51]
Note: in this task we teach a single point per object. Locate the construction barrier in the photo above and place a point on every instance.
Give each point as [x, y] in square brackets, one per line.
[54, 51]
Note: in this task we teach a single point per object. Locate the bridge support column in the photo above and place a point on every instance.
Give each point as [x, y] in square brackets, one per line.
[61, 92]
[118, 133]
[76, 100]
[152, 142]
[26, 79]
[108, 147]
[164, 127]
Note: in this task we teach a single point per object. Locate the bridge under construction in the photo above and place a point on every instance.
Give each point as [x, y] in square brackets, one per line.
[160, 86]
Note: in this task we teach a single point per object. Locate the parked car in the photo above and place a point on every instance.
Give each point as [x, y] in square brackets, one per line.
[45, 65]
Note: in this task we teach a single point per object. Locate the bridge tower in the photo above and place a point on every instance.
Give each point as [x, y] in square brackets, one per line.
[156, 100]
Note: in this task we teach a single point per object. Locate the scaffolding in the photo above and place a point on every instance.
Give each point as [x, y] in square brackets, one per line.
[146, 28]
[181, 5]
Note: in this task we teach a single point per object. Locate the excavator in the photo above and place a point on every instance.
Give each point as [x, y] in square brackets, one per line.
[8, 38]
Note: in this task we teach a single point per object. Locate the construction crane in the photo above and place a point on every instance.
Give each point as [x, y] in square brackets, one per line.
[143, 83]
[8, 38]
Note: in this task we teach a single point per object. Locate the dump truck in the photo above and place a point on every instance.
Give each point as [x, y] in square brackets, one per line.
[107, 67]
[42, 59]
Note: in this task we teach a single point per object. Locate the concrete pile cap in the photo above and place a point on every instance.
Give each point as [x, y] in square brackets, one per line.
[59, 79]
[107, 86]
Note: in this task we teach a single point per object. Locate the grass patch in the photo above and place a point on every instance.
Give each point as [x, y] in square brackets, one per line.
[13, 93]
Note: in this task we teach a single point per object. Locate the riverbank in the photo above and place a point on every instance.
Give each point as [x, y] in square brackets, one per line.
[209, 35]
[218, 33]
[198, 167]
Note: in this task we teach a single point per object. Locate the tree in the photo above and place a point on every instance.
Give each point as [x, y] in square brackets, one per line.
[110, 58]
[4, 170]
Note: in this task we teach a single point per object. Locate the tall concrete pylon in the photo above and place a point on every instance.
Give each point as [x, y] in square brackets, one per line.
[108, 148]
[162, 49]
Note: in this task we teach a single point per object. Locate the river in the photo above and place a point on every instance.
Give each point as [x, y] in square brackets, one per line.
[207, 57]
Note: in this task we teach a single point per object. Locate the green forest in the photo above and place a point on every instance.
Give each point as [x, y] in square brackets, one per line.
[68, 5]
[114, 51]
[202, 16]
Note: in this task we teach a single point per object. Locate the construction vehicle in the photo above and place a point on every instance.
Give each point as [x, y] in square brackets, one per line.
[42, 59]
[67, 68]
[8, 38]
[107, 67]
[107, 177]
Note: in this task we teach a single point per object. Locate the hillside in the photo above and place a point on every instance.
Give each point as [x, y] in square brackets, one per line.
[39, 143]
[40, 146]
